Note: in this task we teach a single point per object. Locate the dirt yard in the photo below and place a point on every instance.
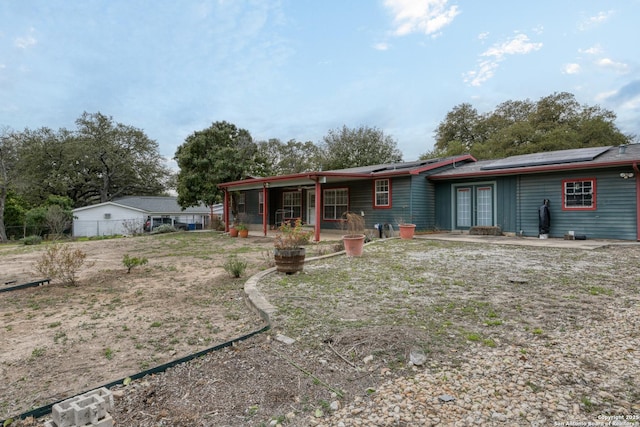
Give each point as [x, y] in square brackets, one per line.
[356, 324]
[59, 340]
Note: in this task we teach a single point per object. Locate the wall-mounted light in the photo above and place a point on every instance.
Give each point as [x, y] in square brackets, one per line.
[266, 185]
[626, 175]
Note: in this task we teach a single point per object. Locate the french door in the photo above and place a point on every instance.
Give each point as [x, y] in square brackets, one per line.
[474, 205]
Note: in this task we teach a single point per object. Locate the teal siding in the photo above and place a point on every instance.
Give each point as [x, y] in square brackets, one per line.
[506, 203]
[614, 217]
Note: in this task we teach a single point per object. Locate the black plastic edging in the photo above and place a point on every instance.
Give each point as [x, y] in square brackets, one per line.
[26, 285]
[44, 410]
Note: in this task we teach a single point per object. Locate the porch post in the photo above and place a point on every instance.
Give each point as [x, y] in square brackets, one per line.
[226, 210]
[265, 209]
[318, 210]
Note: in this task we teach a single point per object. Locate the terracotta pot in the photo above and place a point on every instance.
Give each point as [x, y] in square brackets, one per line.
[289, 261]
[243, 233]
[233, 232]
[353, 244]
[407, 231]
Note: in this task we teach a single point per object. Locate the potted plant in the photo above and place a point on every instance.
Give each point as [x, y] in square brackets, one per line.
[354, 239]
[233, 231]
[243, 230]
[407, 230]
[289, 252]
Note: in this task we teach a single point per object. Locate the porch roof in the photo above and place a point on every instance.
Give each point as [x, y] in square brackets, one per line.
[342, 175]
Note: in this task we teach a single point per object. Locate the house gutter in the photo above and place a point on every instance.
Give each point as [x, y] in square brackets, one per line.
[637, 172]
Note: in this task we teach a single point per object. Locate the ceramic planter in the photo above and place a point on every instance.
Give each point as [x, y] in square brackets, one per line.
[407, 231]
[233, 232]
[289, 261]
[243, 233]
[353, 244]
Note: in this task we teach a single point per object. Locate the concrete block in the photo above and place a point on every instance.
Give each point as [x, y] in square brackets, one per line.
[88, 409]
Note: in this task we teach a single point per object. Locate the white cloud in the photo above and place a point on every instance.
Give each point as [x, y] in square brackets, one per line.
[518, 45]
[381, 46]
[421, 16]
[571, 69]
[593, 50]
[483, 36]
[26, 41]
[619, 67]
[596, 20]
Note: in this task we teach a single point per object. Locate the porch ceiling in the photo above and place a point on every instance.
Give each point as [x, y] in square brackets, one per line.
[275, 182]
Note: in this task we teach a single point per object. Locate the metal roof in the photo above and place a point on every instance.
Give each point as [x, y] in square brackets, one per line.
[581, 158]
[153, 205]
[549, 158]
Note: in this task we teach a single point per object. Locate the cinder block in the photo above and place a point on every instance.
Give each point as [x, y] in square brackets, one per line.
[88, 409]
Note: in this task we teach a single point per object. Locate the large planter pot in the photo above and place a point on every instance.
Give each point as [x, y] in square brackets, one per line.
[407, 231]
[289, 261]
[243, 233]
[233, 232]
[353, 244]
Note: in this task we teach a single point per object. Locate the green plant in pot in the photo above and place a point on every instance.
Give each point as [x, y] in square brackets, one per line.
[243, 230]
[289, 251]
[354, 239]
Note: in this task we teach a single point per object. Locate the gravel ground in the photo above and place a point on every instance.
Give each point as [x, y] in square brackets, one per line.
[418, 333]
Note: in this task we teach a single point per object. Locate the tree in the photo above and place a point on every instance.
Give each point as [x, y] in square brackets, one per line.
[99, 161]
[292, 157]
[8, 172]
[346, 148]
[555, 122]
[220, 153]
[118, 160]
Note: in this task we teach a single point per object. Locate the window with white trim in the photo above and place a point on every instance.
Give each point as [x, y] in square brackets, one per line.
[579, 194]
[382, 197]
[260, 203]
[335, 203]
[292, 204]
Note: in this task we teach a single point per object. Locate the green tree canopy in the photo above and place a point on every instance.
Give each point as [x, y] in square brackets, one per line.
[218, 154]
[8, 172]
[346, 148]
[99, 161]
[555, 122]
[290, 157]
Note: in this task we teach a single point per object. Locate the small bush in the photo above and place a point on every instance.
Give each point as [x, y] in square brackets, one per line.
[61, 262]
[235, 267]
[32, 240]
[131, 262]
[164, 228]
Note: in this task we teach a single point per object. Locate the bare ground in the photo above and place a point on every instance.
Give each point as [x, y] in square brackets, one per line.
[355, 322]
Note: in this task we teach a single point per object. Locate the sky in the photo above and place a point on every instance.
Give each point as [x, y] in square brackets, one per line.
[295, 69]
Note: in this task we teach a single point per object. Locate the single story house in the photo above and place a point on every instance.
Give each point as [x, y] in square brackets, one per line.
[594, 192]
[128, 215]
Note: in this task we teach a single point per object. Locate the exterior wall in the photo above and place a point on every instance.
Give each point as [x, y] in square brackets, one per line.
[518, 199]
[93, 221]
[613, 218]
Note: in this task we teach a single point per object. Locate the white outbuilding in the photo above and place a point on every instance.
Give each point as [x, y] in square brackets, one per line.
[131, 215]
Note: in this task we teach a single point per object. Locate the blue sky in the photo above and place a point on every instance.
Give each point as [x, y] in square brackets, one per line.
[294, 69]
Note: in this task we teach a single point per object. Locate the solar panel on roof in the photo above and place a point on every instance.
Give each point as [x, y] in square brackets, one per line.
[549, 158]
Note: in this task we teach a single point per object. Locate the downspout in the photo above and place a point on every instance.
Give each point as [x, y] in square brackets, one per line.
[318, 211]
[637, 171]
[226, 210]
[265, 209]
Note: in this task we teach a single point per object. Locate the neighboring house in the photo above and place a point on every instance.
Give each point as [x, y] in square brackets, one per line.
[128, 215]
[593, 192]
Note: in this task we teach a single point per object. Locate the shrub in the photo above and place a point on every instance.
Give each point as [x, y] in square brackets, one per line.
[131, 262]
[61, 262]
[32, 240]
[164, 228]
[235, 267]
